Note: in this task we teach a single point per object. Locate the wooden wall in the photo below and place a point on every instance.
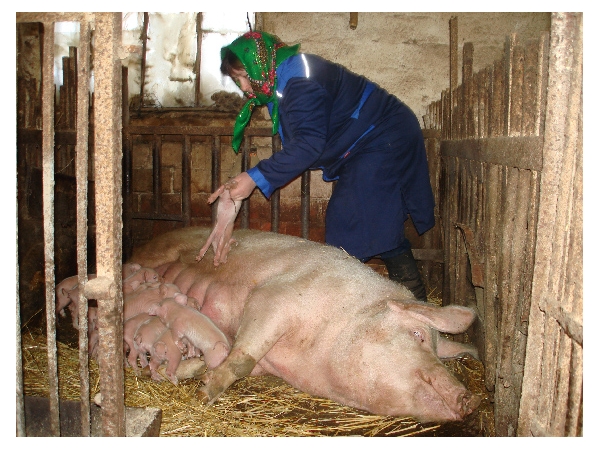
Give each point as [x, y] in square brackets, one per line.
[496, 151]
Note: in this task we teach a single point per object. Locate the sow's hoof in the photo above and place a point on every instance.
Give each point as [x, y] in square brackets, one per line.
[202, 396]
[203, 393]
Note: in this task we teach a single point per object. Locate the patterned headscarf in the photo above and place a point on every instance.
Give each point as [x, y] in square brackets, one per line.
[260, 53]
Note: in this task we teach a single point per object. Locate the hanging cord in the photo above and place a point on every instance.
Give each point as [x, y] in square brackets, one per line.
[248, 19]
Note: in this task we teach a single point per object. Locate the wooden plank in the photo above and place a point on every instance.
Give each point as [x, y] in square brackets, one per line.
[48, 222]
[530, 106]
[515, 119]
[497, 111]
[492, 206]
[559, 182]
[523, 152]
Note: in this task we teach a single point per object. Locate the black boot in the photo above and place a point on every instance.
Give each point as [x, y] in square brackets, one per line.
[403, 269]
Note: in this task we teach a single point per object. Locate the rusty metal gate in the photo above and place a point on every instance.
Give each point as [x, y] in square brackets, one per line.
[106, 288]
[512, 216]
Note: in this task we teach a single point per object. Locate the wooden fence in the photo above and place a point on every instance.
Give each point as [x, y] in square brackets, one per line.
[495, 147]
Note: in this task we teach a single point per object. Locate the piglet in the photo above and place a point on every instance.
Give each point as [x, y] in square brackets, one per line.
[145, 337]
[130, 328]
[143, 275]
[165, 350]
[221, 236]
[93, 343]
[199, 330]
[63, 299]
[140, 300]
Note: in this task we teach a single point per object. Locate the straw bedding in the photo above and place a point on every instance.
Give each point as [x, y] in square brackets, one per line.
[253, 406]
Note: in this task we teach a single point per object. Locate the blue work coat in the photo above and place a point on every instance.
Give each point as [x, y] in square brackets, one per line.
[361, 136]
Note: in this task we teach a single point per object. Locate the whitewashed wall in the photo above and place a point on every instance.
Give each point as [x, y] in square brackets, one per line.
[405, 53]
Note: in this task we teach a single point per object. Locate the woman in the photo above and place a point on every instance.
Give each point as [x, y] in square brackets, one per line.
[332, 119]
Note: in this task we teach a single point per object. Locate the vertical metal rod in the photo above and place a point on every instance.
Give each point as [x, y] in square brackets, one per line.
[127, 170]
[245, 219]
[305, 203]
[48, 211]
[186, 195]
[156, 173]
[20, 400]
[275, 197]
[197, 64]
[215, 171]
[143, 63]
[81, 169]
[109, 201]
[453, 68]
[508, 86]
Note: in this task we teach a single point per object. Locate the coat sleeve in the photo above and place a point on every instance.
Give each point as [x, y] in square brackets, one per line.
[304, 113]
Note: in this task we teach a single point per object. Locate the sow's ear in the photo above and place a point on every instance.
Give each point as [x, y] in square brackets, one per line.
[447, 319]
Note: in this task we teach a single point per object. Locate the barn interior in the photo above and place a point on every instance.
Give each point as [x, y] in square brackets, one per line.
[124, 128]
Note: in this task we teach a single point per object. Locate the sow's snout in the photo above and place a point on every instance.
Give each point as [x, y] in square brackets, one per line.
[443, 397]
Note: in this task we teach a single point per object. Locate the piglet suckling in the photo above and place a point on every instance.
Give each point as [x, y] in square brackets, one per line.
[140, 300]
[165, 350]
[195, 327]
[130, 329]
[141, 276]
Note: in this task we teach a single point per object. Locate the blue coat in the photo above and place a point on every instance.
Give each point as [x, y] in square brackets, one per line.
[359, 135]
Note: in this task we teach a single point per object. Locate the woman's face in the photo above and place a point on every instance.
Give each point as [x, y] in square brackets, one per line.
[241, 79]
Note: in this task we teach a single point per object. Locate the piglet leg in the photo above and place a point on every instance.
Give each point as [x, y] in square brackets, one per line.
[220, 237]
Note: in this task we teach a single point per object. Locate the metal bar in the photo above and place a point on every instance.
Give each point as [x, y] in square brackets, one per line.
[156, 174]
[154, 216]
[48, 213]
[186, 173]
[305, 203]
[127, 171]
[72, 75]
[215, 172]
[245, 213]
[195, 130]
[20, 401]
[453, 25]
[275, 197]
[108, 148]
[197, 63]
[82, 69]
[144, 39]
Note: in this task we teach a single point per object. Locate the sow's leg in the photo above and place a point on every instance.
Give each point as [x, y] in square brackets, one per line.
[258, 332]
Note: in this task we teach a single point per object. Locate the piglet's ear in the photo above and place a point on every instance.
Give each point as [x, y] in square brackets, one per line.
[447, 319]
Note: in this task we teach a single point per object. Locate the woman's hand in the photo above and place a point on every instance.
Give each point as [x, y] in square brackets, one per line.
[240, 186]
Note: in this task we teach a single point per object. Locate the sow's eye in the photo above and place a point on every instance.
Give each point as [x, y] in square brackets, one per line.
[418, 335]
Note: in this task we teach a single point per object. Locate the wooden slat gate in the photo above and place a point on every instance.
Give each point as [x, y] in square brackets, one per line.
[511, 192]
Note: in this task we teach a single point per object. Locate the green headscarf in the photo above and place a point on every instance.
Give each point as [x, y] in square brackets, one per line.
[260, 53]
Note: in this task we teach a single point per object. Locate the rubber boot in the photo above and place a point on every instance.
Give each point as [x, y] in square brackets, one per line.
[403, 269]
